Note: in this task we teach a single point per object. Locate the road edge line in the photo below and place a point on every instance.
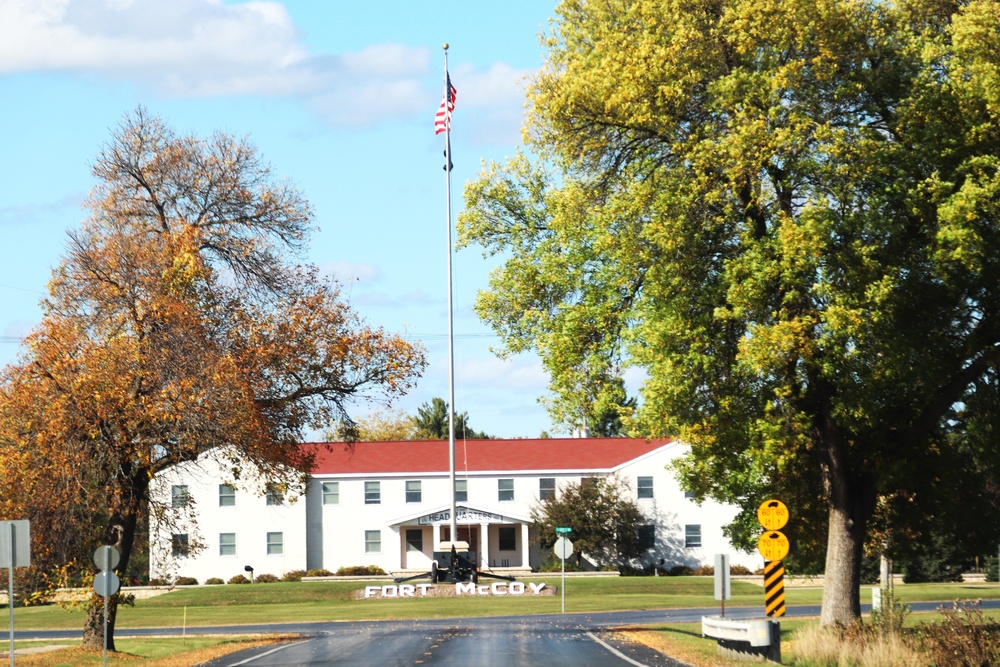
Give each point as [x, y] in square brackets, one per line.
[614, 650]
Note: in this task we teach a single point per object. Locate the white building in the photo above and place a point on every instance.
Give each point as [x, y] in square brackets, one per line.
[388, 504]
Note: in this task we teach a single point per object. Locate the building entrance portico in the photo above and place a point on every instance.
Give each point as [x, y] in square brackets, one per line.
[497, 540]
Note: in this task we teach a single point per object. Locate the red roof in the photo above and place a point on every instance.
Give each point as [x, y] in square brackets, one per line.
[430, 456]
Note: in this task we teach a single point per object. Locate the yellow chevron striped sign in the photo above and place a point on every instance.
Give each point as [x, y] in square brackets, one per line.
[774, 588]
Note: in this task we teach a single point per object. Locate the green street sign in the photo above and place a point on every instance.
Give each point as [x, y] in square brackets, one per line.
[563, 529]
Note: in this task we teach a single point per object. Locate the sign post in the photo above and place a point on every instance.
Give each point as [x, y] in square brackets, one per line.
[563, 548]
[723, 587]
[106, 582]
[15, 551]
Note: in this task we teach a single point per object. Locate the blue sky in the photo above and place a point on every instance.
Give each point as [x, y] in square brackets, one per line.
[338, 96]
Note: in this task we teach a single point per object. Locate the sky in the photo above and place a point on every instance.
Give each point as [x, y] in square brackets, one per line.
[339, 97]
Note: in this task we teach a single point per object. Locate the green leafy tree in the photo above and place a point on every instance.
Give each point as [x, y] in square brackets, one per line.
[380, 425]
[605, 522]
[786, 214]
[431, 423]
[608, 420]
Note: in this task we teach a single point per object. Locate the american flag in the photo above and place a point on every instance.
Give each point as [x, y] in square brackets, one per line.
[442, 119]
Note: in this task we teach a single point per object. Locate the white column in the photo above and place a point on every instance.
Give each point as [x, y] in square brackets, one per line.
[436, 537]
[484, 541]
[524, 545]
[395, 545]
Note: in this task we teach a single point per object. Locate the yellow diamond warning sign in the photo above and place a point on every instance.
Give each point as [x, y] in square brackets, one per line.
[773, 545]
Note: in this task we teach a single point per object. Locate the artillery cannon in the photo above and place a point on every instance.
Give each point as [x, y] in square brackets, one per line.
[455, 565]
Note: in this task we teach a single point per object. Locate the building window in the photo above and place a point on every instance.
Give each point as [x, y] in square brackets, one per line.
[462, 490]
[331, 493]
[179, 496]
[587, 481]
[647, 537]
[373, 541]
[546, 488]
[227, 544]
[275, 544]
[505, 489]
[179, 545]
[373, 493]
[508, 538]
[644, 487]
[227, 495]
[414, 539]
[689, 494]
[273, 494]
[692, 535]
[413, 491]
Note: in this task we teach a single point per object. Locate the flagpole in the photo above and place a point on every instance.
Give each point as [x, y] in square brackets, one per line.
[451, 326]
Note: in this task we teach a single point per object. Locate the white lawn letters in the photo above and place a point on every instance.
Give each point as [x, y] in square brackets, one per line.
[495, 589]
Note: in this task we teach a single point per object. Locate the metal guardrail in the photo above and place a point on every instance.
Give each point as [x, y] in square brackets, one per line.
[751, 639]
[757, 632]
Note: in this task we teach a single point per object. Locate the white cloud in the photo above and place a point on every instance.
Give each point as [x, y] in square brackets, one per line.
[24, 214]
[346, 271]
[147, 38]
[386, 300]
[362, 103]
[498, 96]
[206, 48]
[500, 85]
[525, 372]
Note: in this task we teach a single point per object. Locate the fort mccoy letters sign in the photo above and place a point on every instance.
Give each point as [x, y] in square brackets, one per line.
[495, 589]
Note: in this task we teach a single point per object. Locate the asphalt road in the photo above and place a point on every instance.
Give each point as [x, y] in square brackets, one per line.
[467, 643]
[577, 640]
[480, 642]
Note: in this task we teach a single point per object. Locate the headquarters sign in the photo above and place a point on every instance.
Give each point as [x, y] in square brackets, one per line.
[462, 515]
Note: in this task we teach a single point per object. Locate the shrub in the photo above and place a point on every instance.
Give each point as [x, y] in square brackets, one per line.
[965, 638]
[553, 564]
[238, 579]
[890, 617]
[265, 578]
[213, 581]
[294, 575]
[185, 581]
[360, 571]
[704, 571]
[680, 571]
[739, 570]
[991, 569]
[158, 581]
[633, 571]
[319, 573]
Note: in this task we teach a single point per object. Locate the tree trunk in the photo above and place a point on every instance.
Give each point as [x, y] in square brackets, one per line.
[121, 535]
[842, 583]
[851, 499]
[93, 627]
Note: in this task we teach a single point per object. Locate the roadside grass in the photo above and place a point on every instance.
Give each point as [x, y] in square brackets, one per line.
[149, 652]
[684, 642]
[335, 601]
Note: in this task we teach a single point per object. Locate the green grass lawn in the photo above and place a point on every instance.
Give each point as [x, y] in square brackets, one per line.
[335, 601]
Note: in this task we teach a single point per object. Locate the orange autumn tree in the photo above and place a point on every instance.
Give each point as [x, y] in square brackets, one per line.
[176, 325]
